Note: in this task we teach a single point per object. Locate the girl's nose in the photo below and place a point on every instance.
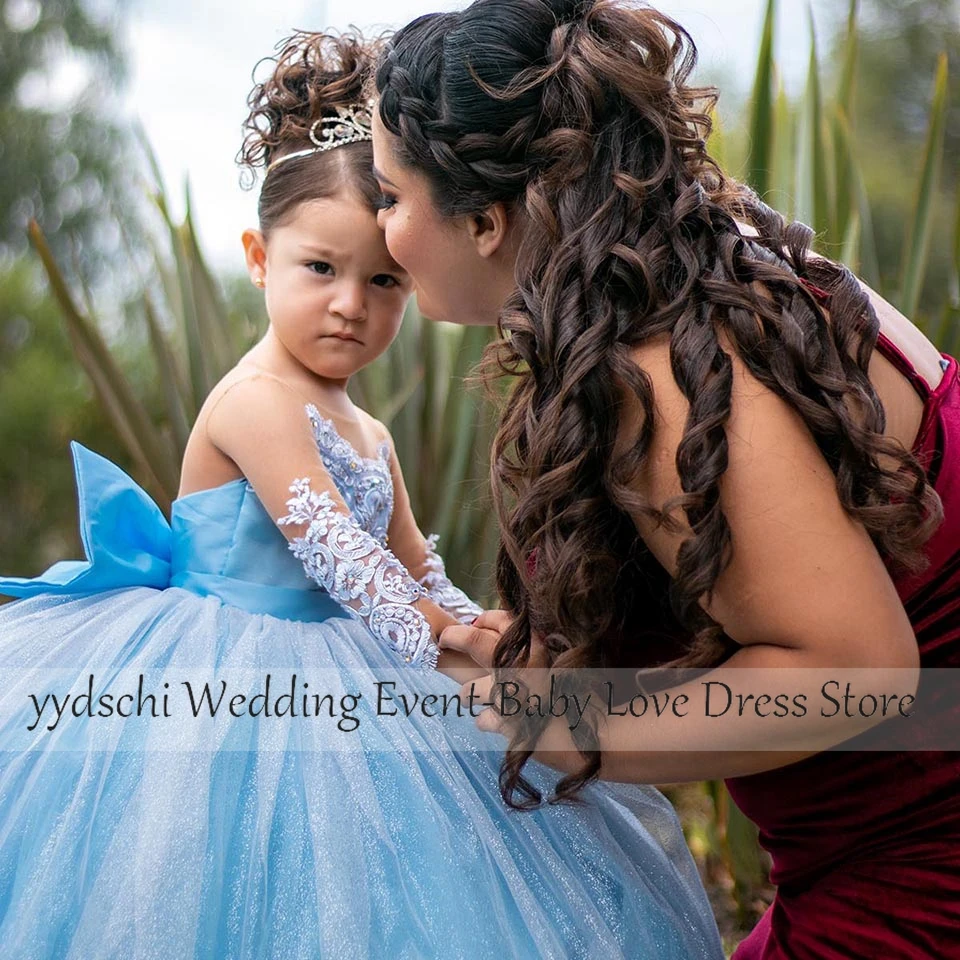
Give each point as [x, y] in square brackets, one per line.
[349, 301]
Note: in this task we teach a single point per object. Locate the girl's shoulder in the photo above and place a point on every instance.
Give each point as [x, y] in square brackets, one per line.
[252, 380]
[242, 398]
[250, 391]
[378, 431]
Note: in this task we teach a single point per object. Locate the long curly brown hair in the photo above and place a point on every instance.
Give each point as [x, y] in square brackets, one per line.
[581, 117]
[311, 75]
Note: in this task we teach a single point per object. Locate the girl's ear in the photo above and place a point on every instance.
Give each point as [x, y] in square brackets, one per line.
[488, 229]
[255, 253]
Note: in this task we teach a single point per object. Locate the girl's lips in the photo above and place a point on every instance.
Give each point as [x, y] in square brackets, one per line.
[344, 336]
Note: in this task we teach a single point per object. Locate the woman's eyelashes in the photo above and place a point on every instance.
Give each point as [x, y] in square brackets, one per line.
[386, 201]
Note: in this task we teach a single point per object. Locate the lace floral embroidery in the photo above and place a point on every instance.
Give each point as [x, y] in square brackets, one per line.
[364, 482]
[442, 591]
[360, 574]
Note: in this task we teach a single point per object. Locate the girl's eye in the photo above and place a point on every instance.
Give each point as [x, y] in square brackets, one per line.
[321, 267]
[385, 280]
[386, 201]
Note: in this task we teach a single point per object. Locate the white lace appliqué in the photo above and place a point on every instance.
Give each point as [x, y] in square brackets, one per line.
[364, 482]
[360, 574]
[442, 591]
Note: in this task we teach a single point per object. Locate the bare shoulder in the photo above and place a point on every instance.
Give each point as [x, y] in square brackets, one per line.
[256, 393]
[802, 573]
[377, 430]
[908, 338]
[254, 410]
[244, 406]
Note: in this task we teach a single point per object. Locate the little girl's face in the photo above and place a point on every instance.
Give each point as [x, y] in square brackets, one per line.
[334, 295]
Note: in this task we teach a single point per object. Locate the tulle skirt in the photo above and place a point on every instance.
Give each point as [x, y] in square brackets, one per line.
[271, 829]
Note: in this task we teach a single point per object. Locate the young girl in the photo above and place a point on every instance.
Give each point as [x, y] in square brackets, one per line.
[289, 834]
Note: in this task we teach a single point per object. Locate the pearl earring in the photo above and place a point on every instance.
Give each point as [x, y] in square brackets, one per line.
[259, 282]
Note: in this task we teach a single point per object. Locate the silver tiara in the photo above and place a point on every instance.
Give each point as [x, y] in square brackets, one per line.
[351, 125]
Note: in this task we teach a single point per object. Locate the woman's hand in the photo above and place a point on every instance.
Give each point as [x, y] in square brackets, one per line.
[479, 639]
[466, 650]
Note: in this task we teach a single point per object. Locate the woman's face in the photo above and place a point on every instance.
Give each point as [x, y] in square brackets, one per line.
[455, 279]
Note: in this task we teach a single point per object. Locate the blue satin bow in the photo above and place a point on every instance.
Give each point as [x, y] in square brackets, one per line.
[126, 538]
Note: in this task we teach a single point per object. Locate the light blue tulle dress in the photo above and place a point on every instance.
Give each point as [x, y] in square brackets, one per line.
[244, 836]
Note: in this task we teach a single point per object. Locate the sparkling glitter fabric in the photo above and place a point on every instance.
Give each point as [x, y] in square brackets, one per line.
[284, 837]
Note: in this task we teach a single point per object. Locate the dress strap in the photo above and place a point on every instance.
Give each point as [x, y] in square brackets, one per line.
[893, 353]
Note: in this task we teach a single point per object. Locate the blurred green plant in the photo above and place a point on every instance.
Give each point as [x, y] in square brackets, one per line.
[45, 401]
[65, 146]
[808, 160]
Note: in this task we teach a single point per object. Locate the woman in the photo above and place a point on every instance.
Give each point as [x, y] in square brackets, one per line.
[718, 449]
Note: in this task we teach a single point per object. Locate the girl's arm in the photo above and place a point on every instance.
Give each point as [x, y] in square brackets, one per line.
[805, 588]
[262, 426]
[418, 553]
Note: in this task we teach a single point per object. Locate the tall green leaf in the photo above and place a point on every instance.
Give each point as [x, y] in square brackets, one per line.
[717, 143]
[918, 237]
[742, 851]
[119, 400]
[784, 162]
[179, 289]
[761, 109]
[842, 113]
[851, 50]
[171, 380]
[213, 327]
[813, 177]
[859, 250]
[948, 336]
[869, 258]
[844, 200]
[850, 253]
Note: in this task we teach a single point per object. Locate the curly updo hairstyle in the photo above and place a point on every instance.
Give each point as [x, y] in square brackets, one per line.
[312, 75]
[580, 116]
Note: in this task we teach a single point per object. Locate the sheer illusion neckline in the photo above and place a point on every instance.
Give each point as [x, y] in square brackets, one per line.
[383, 448]
[381, 460]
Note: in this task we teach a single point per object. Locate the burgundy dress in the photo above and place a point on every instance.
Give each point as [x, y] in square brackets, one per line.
[866, 845]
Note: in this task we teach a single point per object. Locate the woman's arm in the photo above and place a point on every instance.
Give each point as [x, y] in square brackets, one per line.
[805, 589]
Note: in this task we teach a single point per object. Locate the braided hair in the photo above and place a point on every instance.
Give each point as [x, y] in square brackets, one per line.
[579, 116]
